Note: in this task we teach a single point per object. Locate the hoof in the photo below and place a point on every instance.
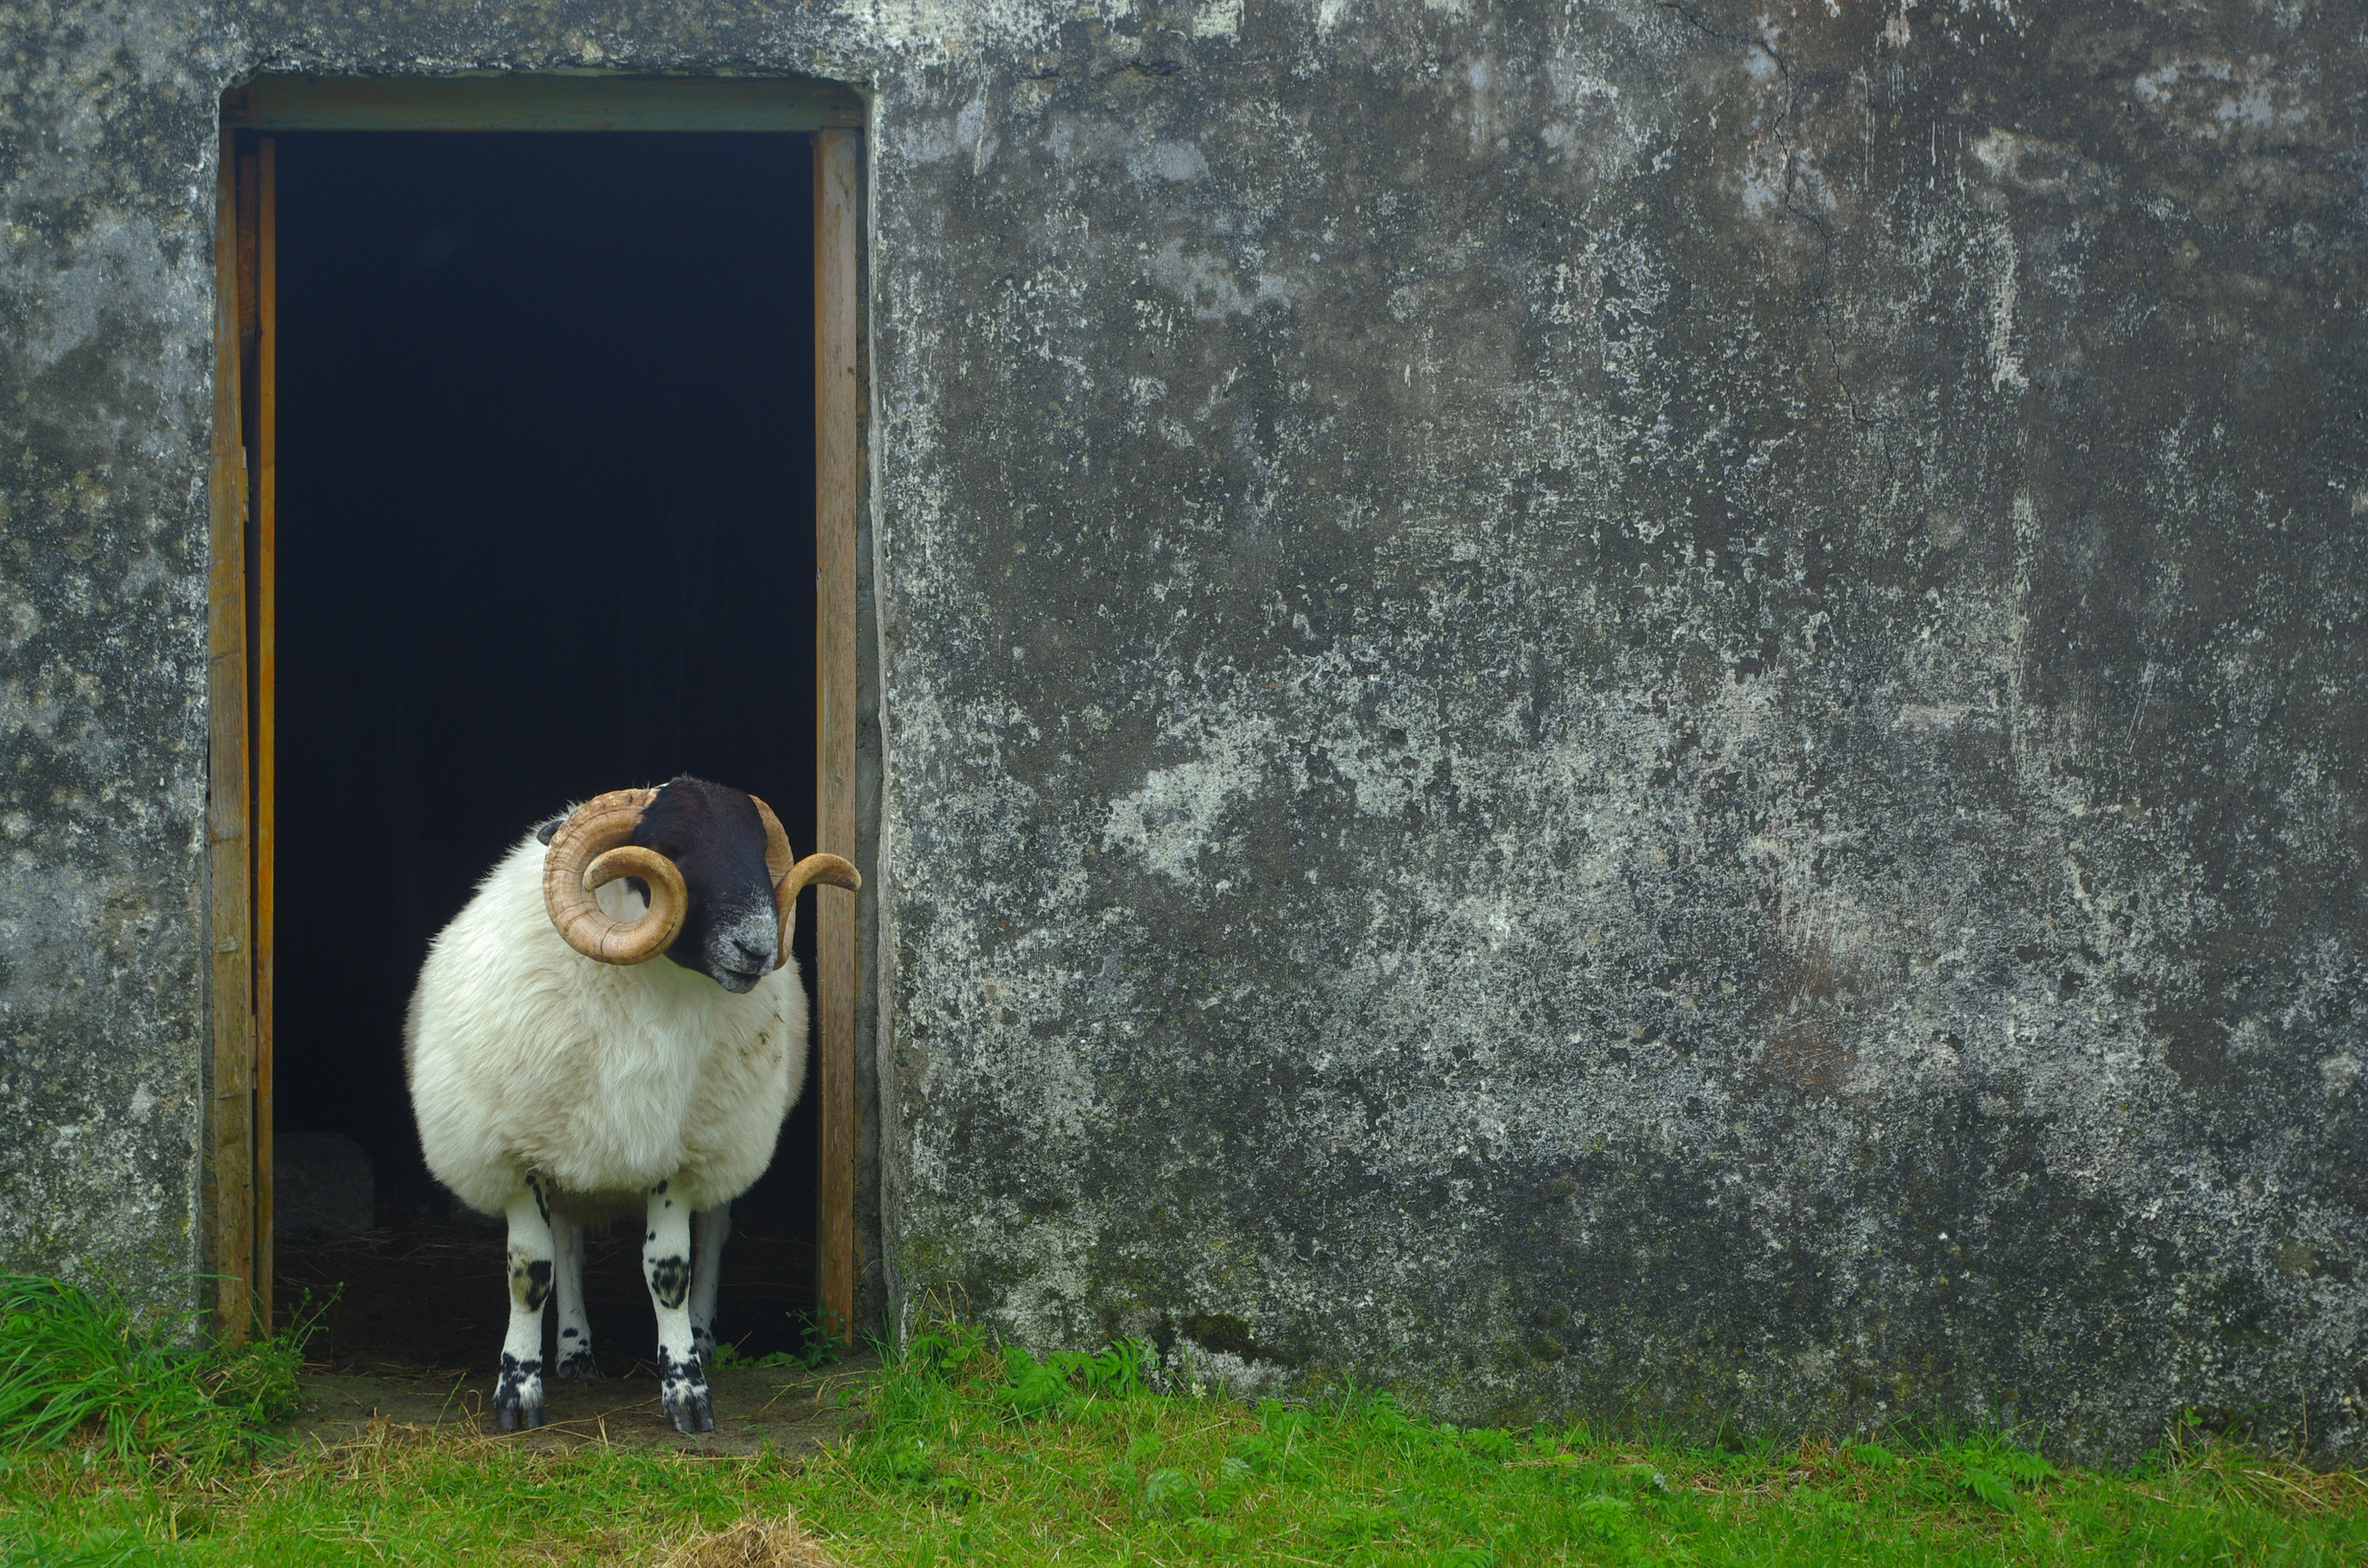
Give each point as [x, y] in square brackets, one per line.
[580, 1365]
[514, 1415]
[685, 1396]
[690, 1409]
[518, 1398]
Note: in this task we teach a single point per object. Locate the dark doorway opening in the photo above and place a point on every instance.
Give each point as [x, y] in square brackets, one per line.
[545, 527]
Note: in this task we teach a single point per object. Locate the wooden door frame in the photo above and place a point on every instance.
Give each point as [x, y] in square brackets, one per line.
[230, 1184]
[241, 589]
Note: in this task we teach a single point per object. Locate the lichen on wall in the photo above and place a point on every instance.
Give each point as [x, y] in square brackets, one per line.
[103, 404]
[1642, 707]
[1647, 709]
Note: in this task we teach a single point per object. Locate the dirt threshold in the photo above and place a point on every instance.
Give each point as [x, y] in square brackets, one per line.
[793, 1410]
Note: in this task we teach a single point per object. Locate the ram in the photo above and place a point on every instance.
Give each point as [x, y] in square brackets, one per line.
[612, 1029]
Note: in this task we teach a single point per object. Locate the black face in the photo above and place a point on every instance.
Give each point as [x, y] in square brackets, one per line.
[731, 932]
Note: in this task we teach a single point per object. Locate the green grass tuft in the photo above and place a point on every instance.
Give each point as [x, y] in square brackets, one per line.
[80, 1370]
[819, 1347]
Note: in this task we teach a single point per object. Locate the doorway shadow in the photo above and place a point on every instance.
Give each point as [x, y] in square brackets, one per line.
[546, 512]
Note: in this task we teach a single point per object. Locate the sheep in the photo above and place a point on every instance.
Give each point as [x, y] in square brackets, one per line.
[561, 1078]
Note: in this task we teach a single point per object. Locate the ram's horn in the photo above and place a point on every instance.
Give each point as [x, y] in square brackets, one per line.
[791, 875]
[588, 851]
[778, 856]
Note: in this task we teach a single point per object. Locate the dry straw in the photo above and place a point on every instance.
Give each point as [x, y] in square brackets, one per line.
[751, 1542]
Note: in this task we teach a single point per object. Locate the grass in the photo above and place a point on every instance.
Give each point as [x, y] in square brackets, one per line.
[80, 1370]
[971, 1455]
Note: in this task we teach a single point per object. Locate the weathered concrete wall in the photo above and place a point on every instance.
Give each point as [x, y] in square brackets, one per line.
[1649, 706]
[106, 397]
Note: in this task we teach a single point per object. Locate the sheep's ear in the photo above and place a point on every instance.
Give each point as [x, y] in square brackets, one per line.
[543, 834]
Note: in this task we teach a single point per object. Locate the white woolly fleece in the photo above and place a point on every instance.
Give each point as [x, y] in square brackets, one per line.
[527, 1058]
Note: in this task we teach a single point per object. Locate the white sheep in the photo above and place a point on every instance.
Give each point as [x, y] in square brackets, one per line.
[559, 1078]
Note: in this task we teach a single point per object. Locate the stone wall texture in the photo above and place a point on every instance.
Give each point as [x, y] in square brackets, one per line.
[1642, 707]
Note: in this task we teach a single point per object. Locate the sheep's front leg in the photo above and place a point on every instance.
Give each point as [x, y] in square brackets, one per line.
[518, 1398]
[666, 1263]
[576, 1358]
[708, 1229]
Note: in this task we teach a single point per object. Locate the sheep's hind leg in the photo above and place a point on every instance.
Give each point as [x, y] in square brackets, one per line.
[576, 1360]
[518, 1398]
[666, 1263]
[708, 1229]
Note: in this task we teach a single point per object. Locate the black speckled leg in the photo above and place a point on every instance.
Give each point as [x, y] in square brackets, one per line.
[666, 1264]
[518, 1397]
[575, 1355]
[708, 1229]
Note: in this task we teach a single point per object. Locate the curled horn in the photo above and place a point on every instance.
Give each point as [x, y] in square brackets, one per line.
[587, 851]
[789, 876]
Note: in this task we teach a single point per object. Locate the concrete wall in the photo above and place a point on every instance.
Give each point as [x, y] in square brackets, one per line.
[1649, 706]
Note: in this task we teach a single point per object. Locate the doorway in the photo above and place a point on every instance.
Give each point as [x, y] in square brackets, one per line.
[536, 440]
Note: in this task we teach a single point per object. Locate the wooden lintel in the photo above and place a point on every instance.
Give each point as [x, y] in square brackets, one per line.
[538, 101]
